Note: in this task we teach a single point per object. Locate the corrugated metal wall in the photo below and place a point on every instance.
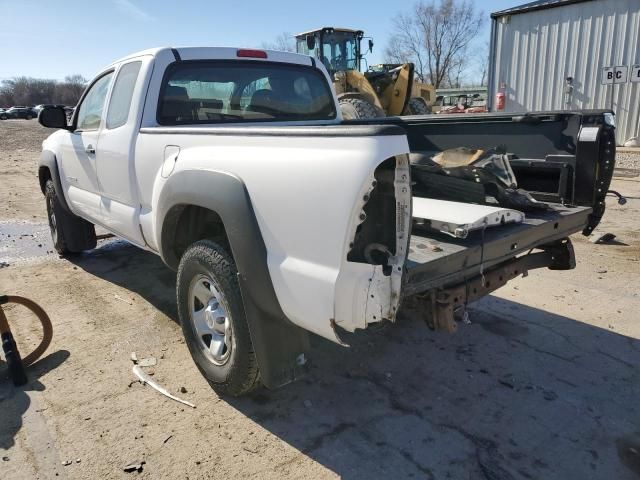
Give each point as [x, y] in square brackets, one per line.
[534, 52]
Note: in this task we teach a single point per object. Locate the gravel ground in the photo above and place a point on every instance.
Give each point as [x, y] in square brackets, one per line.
[630, 160]
[22, 136]
[543, 383]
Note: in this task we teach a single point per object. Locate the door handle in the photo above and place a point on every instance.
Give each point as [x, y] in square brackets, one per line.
[89, 149]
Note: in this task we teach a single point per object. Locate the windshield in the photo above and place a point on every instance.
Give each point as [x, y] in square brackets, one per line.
[340, 51]
[243, 91]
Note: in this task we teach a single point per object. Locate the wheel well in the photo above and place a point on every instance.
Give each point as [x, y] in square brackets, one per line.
[44, 174]
[186, 224]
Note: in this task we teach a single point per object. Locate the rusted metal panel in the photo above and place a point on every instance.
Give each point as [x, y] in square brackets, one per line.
[442, 304]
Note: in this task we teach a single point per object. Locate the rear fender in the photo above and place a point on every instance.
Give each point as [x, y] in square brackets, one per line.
[281, 347]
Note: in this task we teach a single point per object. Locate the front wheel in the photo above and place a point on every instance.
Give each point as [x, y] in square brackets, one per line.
[416, 106]
[213, 319]
[28, 117]
[69, 233]
[357, 109]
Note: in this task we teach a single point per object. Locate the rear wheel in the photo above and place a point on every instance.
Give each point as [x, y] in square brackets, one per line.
[69, 233]
[28, 117]
[416, 106]
[357, 108]
[213, 319]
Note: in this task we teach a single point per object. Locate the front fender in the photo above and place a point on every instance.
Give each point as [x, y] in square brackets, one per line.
[48, 167]
[279, 344]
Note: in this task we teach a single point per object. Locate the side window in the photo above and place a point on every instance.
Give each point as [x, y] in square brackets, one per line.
[90, 111]
[122, 93]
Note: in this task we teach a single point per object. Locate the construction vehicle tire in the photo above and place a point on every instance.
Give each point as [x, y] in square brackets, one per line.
[357, 109]
[416, 106]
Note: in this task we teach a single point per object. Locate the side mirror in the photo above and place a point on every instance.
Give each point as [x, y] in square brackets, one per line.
[53, 117]
[370, 45]
[311, 42]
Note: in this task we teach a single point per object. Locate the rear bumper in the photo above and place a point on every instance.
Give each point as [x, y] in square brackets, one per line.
[442, 304]
[439, 262]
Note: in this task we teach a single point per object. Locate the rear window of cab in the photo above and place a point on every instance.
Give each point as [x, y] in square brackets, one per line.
[214, 92]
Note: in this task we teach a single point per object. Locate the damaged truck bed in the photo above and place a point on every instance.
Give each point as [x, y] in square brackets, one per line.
[439, 261]
[449, 273]
[565, 159]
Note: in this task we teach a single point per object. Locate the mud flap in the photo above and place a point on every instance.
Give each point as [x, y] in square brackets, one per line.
[281, 348]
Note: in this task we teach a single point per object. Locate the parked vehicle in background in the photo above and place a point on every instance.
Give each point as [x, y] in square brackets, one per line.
[236, 167]
[68, 111]
[461, 100]
[37, 108]
[464, 106]
[18, 112]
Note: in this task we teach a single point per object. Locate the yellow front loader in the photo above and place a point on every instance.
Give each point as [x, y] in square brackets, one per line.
[384, 89]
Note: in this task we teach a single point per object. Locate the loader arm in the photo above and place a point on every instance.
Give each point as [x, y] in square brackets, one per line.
[394, 88]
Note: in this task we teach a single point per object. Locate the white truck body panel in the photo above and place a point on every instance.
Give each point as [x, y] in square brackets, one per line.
[315, 285]
[119, 199]
[304, 263]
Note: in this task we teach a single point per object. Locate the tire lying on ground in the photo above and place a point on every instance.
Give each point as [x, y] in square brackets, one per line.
[213, 320]
[69, 233]
[416, 106]
[357, 108]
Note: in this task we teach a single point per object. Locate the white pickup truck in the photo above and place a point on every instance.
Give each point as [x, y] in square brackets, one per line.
[235, 166]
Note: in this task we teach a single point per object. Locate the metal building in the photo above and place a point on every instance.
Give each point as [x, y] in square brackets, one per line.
[569, 54]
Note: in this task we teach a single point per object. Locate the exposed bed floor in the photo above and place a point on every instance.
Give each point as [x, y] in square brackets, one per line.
[434, 256]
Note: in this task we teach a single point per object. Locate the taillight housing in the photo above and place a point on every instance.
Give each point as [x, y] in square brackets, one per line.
[382, 236]
[250, 53]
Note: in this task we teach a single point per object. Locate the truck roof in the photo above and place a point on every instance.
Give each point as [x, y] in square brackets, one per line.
[219, 53]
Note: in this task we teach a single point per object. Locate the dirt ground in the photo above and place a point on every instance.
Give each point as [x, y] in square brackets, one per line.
[543, 383]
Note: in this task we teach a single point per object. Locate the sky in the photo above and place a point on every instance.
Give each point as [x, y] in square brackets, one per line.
[56, 38]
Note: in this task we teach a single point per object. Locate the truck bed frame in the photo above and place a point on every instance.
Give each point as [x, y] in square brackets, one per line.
[437, 260]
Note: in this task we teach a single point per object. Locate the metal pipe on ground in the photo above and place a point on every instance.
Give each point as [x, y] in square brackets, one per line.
[15, 363]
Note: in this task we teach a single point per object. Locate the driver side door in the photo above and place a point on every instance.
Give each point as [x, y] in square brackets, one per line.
[78, 155]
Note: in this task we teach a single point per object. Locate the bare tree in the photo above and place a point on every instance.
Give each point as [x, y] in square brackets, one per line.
[407, 45]
[483, 63]
[456, 74]
[33, 91]
[435, 36]
[283, 42]
[70, 91]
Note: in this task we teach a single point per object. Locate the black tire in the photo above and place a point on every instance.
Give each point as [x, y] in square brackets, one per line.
[28, 117]
[416, 106]
[357, 108]
[69, 233]
[238, 374]
[3, 117]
